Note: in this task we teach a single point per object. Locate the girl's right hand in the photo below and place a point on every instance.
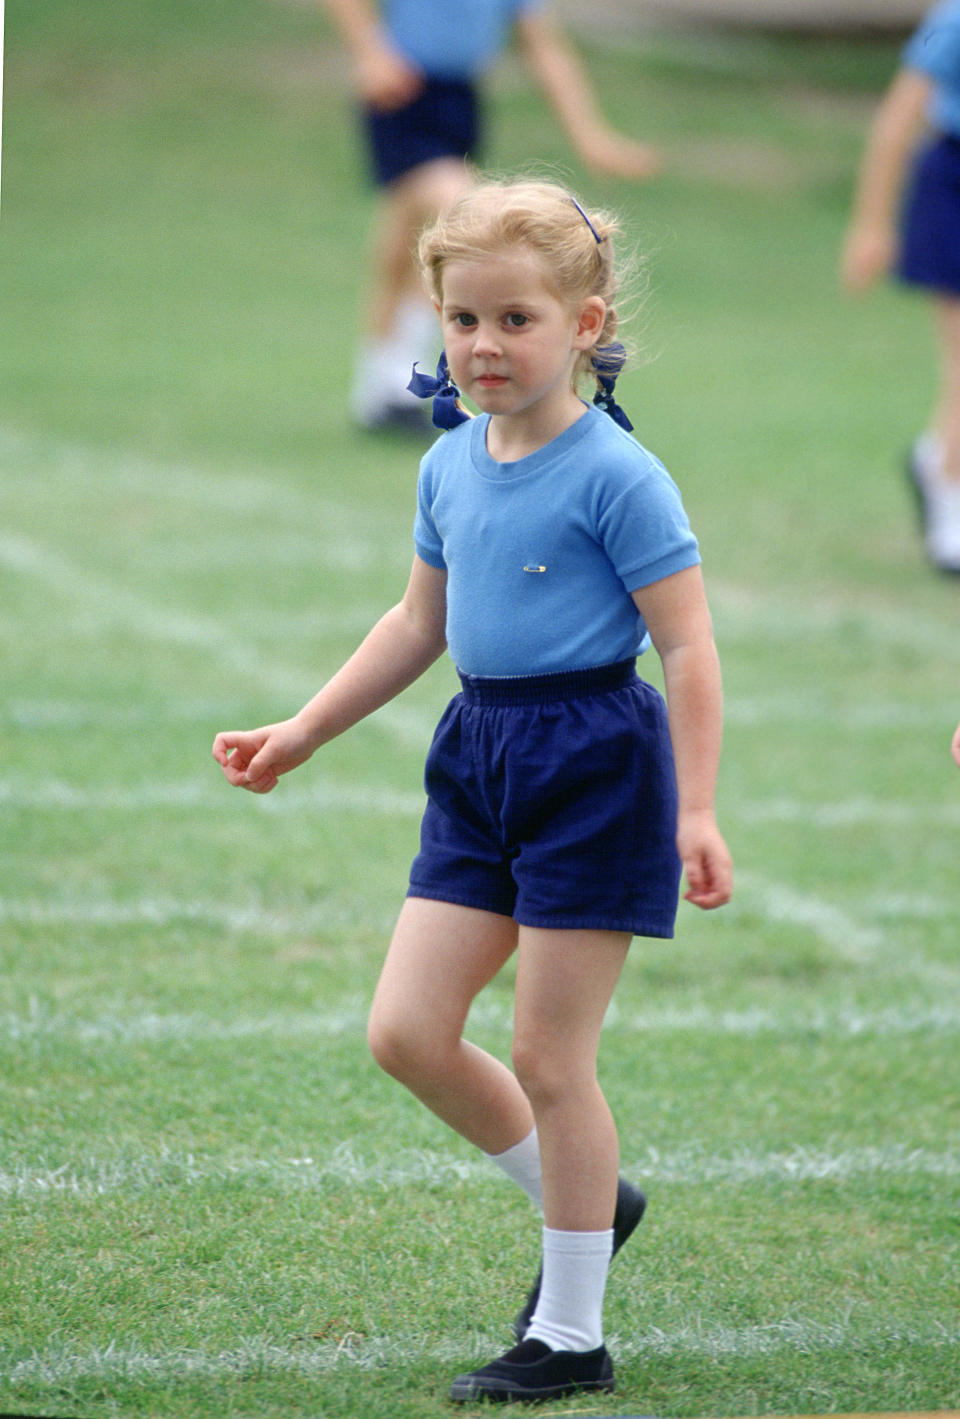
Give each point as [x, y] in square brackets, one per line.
[387, 81]
[255, 758]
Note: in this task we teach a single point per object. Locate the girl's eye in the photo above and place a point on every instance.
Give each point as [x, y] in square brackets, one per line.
[465, 320]
[516, 320]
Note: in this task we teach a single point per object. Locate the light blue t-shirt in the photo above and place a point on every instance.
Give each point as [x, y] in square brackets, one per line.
[541, 555]
[934, 49]
[453, 41]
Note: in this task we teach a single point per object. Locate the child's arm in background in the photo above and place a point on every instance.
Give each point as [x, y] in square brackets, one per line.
[402, 645]
[557, 69]
[955, 746]
[675, 611]
[385, 79]
[870, 246]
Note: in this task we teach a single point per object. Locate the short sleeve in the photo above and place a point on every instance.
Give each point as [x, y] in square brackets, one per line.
[646, 532]
[426, 538]
[934, 48]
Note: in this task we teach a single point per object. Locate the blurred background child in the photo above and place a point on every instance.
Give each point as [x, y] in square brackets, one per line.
[417, 66]
[924, 249]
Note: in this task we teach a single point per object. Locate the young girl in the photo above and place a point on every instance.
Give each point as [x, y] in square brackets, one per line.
[550, 549]
[419, 67]
[926, 251]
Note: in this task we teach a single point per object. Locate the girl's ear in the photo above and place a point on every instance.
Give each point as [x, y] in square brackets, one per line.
[590, 320]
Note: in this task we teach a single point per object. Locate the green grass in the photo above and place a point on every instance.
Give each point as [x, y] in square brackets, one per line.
[213, 1203]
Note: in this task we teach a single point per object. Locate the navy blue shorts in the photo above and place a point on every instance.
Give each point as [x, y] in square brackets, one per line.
[930, 251]
[442, 122]
[552, 799]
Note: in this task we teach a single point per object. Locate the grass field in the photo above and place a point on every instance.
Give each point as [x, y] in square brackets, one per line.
[212, 1203]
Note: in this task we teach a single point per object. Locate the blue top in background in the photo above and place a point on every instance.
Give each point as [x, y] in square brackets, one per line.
[934, 49]
[452, 41]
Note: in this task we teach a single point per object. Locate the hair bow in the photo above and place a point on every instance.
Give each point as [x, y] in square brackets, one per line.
[607, 363]
[447, 411]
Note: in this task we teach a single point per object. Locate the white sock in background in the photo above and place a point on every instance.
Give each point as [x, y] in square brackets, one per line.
[941, 503]
[416, 335]
[380, 380]
[927, 457]
[569, 1314]
[521, 1163]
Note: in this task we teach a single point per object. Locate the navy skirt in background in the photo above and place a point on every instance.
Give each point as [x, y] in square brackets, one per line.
[442, 122]
[930, 249]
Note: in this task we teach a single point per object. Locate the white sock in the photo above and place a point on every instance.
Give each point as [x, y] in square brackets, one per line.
[416, 333]
[569, 1314]
[928, 457]
[521, 1163]
[382, 371]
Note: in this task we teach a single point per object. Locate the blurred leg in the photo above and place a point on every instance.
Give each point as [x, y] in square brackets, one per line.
[948, 412]
[402, 326]
[405, 208]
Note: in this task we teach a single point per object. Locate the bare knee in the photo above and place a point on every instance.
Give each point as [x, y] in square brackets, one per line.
[400, 1050]
[545, 1077]
[389, 1045]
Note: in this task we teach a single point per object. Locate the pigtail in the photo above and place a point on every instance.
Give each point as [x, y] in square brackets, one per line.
[606, 362]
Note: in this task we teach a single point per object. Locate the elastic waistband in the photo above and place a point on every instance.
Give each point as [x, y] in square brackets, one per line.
[539, 689]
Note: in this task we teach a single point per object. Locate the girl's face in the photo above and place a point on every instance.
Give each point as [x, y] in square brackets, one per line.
[512, 343]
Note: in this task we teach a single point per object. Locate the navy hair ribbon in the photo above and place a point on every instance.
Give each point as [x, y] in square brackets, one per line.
[447, 412]
[608, 361]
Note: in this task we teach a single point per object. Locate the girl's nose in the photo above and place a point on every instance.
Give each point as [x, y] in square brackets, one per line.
[485, 341]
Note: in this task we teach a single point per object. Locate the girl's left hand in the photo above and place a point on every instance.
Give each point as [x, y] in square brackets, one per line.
[613, 154]
[706, 861]
[868, 254]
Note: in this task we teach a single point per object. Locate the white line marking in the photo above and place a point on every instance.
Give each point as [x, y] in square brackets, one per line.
[746, 613]
[211, 793]
[779, 902]
[267, 920]
[845, 1022]
[257, 1356]
[130, 1023]
[847, 813]
[805, 1335]
[121, 473]
[116, 605]
[57, 795]
[50, 714]
[100, 1176]
[817, 707]
[851, 940]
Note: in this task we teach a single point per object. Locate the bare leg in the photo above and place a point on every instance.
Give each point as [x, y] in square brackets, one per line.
[440, 957]
[935, 465]
[947, 418]
[405, 207]
[401, 322]
[565, 980]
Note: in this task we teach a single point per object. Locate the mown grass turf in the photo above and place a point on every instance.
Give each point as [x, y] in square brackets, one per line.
[213, 1203]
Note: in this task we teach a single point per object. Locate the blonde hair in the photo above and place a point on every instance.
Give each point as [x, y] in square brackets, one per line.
[575, 244]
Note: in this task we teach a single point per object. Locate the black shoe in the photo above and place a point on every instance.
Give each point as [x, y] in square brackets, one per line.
[631, 1205]
[532, 1371]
